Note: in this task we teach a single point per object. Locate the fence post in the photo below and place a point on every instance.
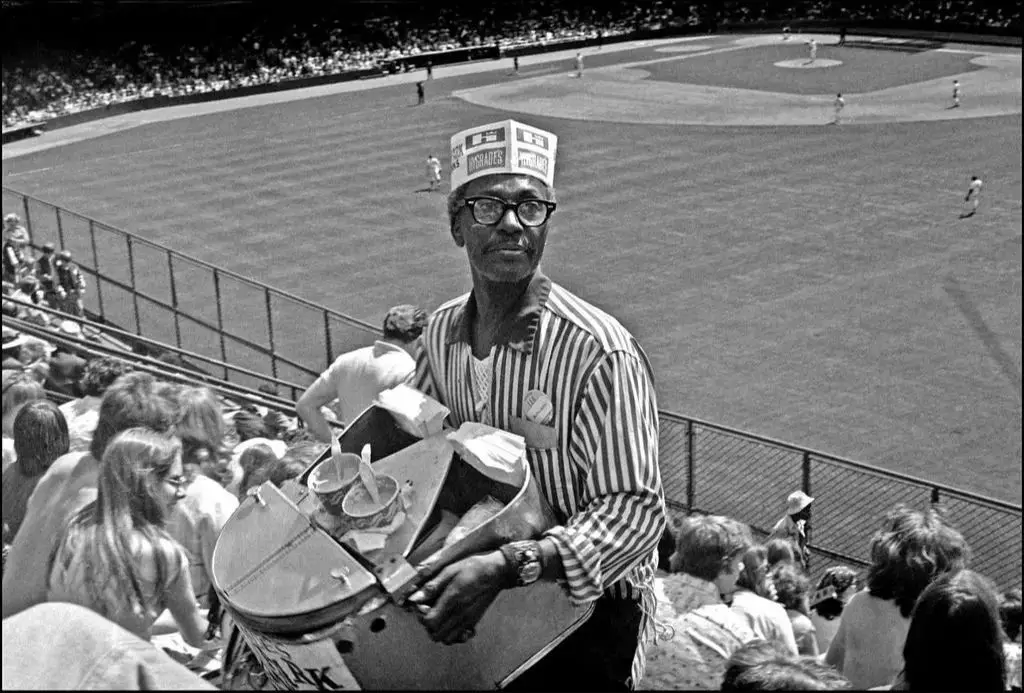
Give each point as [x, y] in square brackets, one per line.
[270, 333]
[174, 301]
[220, 322]
[60, 229]
[96, 268]
[805, 483]
[28, 219]
[327, 340]
[690, 467]
[135, 290]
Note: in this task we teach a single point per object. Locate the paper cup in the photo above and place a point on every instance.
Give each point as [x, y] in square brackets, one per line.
[332, 479]
[363, 513]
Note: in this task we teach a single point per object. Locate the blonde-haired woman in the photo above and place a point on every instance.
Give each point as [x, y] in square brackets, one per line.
[115, 556]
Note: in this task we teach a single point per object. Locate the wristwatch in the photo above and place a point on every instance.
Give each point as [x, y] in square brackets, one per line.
[524, 559]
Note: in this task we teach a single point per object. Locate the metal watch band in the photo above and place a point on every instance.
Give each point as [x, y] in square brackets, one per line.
[524, 558]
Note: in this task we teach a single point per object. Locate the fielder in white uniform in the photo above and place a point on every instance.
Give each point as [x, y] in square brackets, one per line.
[839, 104]
[433, 173]
[973, 197]
[812, 48]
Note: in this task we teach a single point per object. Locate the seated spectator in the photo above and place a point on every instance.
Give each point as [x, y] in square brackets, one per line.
[201, 430]
[40, 437]
[18, 390]
[286, 469]
[955, 641]
[66, 367]
[115, 557]
[196, 520]
[82, 413]
[835, 589]
[34, 356]
[780, 551]
[910, 550]
[789, 674]
[752, 600]
[356, 378]
[62, 646]
[256, 462]
[749, 655]
[701, 631]
[793, 589]
[795, 526]
[1009, 615]
[133, 400]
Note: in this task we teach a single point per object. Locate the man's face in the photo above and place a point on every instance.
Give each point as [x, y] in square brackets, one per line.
[506, 251]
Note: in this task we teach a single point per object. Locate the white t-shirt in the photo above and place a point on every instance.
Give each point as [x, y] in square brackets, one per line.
[357, 377]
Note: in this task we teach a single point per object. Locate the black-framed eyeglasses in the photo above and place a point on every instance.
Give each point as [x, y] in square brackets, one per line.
[490, 210]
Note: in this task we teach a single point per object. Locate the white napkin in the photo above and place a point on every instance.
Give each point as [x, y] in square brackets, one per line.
[372, 539]
[415, 412]
[495, 453]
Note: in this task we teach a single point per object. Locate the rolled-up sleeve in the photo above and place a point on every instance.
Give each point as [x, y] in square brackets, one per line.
[621, 511]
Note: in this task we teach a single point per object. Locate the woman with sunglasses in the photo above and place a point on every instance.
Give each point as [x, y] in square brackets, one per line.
[115, 557]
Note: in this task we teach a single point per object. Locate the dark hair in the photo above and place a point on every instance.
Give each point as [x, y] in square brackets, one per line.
[748, 655]
[20, 389]
[792, 587]
[1009, 613]
[255, 462]
[286, 468]
[909, 551]
[706, 543]
[780, 551]
[666, 547]
[839, 578]
[40, 436]
[754, 576]
[790, 674]
[134, 400]
[955, 642]
[100, 373]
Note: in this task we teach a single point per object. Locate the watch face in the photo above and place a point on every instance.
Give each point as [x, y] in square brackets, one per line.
[530, 572]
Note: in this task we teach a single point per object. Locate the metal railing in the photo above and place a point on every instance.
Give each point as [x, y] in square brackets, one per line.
[212, 312]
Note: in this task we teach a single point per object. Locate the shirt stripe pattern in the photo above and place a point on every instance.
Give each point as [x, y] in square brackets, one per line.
[599, 469]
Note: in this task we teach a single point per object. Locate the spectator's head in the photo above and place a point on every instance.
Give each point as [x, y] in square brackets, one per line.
[755, 576]
[201, 427]
[34, 350]
[404, 324]
[910, 550]
[955, 641]
[286, 468]
[100, 373]
[798, 505]
[1009, 614]
[140, 478]
[17, 235]
[710, 547]
[49, 248]
[11, 222]
[667, 546]
[834, 590]
[255, 462]
[40, 436]
[134, 400]
[780, 551]
[249, 424]
[748, 655]
[19, 390]
[792, 587]
[64, 255]
[789, 674]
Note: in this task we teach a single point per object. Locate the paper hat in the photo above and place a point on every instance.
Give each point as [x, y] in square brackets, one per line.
[797, 501]
[507, 146]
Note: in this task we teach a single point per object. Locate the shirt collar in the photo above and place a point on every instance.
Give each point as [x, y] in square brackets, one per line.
[519, 329]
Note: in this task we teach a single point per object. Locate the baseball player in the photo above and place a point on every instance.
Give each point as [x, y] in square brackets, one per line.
[433, 173]
[973, 197]
[956, 93]
[839, 104]
[812, 49]
[579, 64]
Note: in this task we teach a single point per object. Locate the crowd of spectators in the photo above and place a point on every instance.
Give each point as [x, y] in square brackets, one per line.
[919, 619]
[54, 77]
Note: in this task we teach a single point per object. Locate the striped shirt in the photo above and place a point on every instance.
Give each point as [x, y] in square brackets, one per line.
[596, 458]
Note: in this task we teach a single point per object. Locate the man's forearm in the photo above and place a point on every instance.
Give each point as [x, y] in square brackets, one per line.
[315, 421]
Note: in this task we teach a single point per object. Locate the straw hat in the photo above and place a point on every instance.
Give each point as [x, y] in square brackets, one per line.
[797, 501]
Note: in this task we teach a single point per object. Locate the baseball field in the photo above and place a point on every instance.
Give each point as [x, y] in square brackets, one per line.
[807, 281]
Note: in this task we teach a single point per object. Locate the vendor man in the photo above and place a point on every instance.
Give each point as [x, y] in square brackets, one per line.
[522, 354]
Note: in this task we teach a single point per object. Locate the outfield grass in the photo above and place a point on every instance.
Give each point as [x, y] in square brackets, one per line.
[812, 284]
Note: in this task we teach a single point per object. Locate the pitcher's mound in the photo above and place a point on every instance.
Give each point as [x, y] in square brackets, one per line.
[806, 64]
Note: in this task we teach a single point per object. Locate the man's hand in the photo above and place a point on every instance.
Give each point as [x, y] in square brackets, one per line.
[453, 602]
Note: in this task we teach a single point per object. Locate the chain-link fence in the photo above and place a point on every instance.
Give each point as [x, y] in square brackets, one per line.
[710, 468]
[161, 294]
[153, 291]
